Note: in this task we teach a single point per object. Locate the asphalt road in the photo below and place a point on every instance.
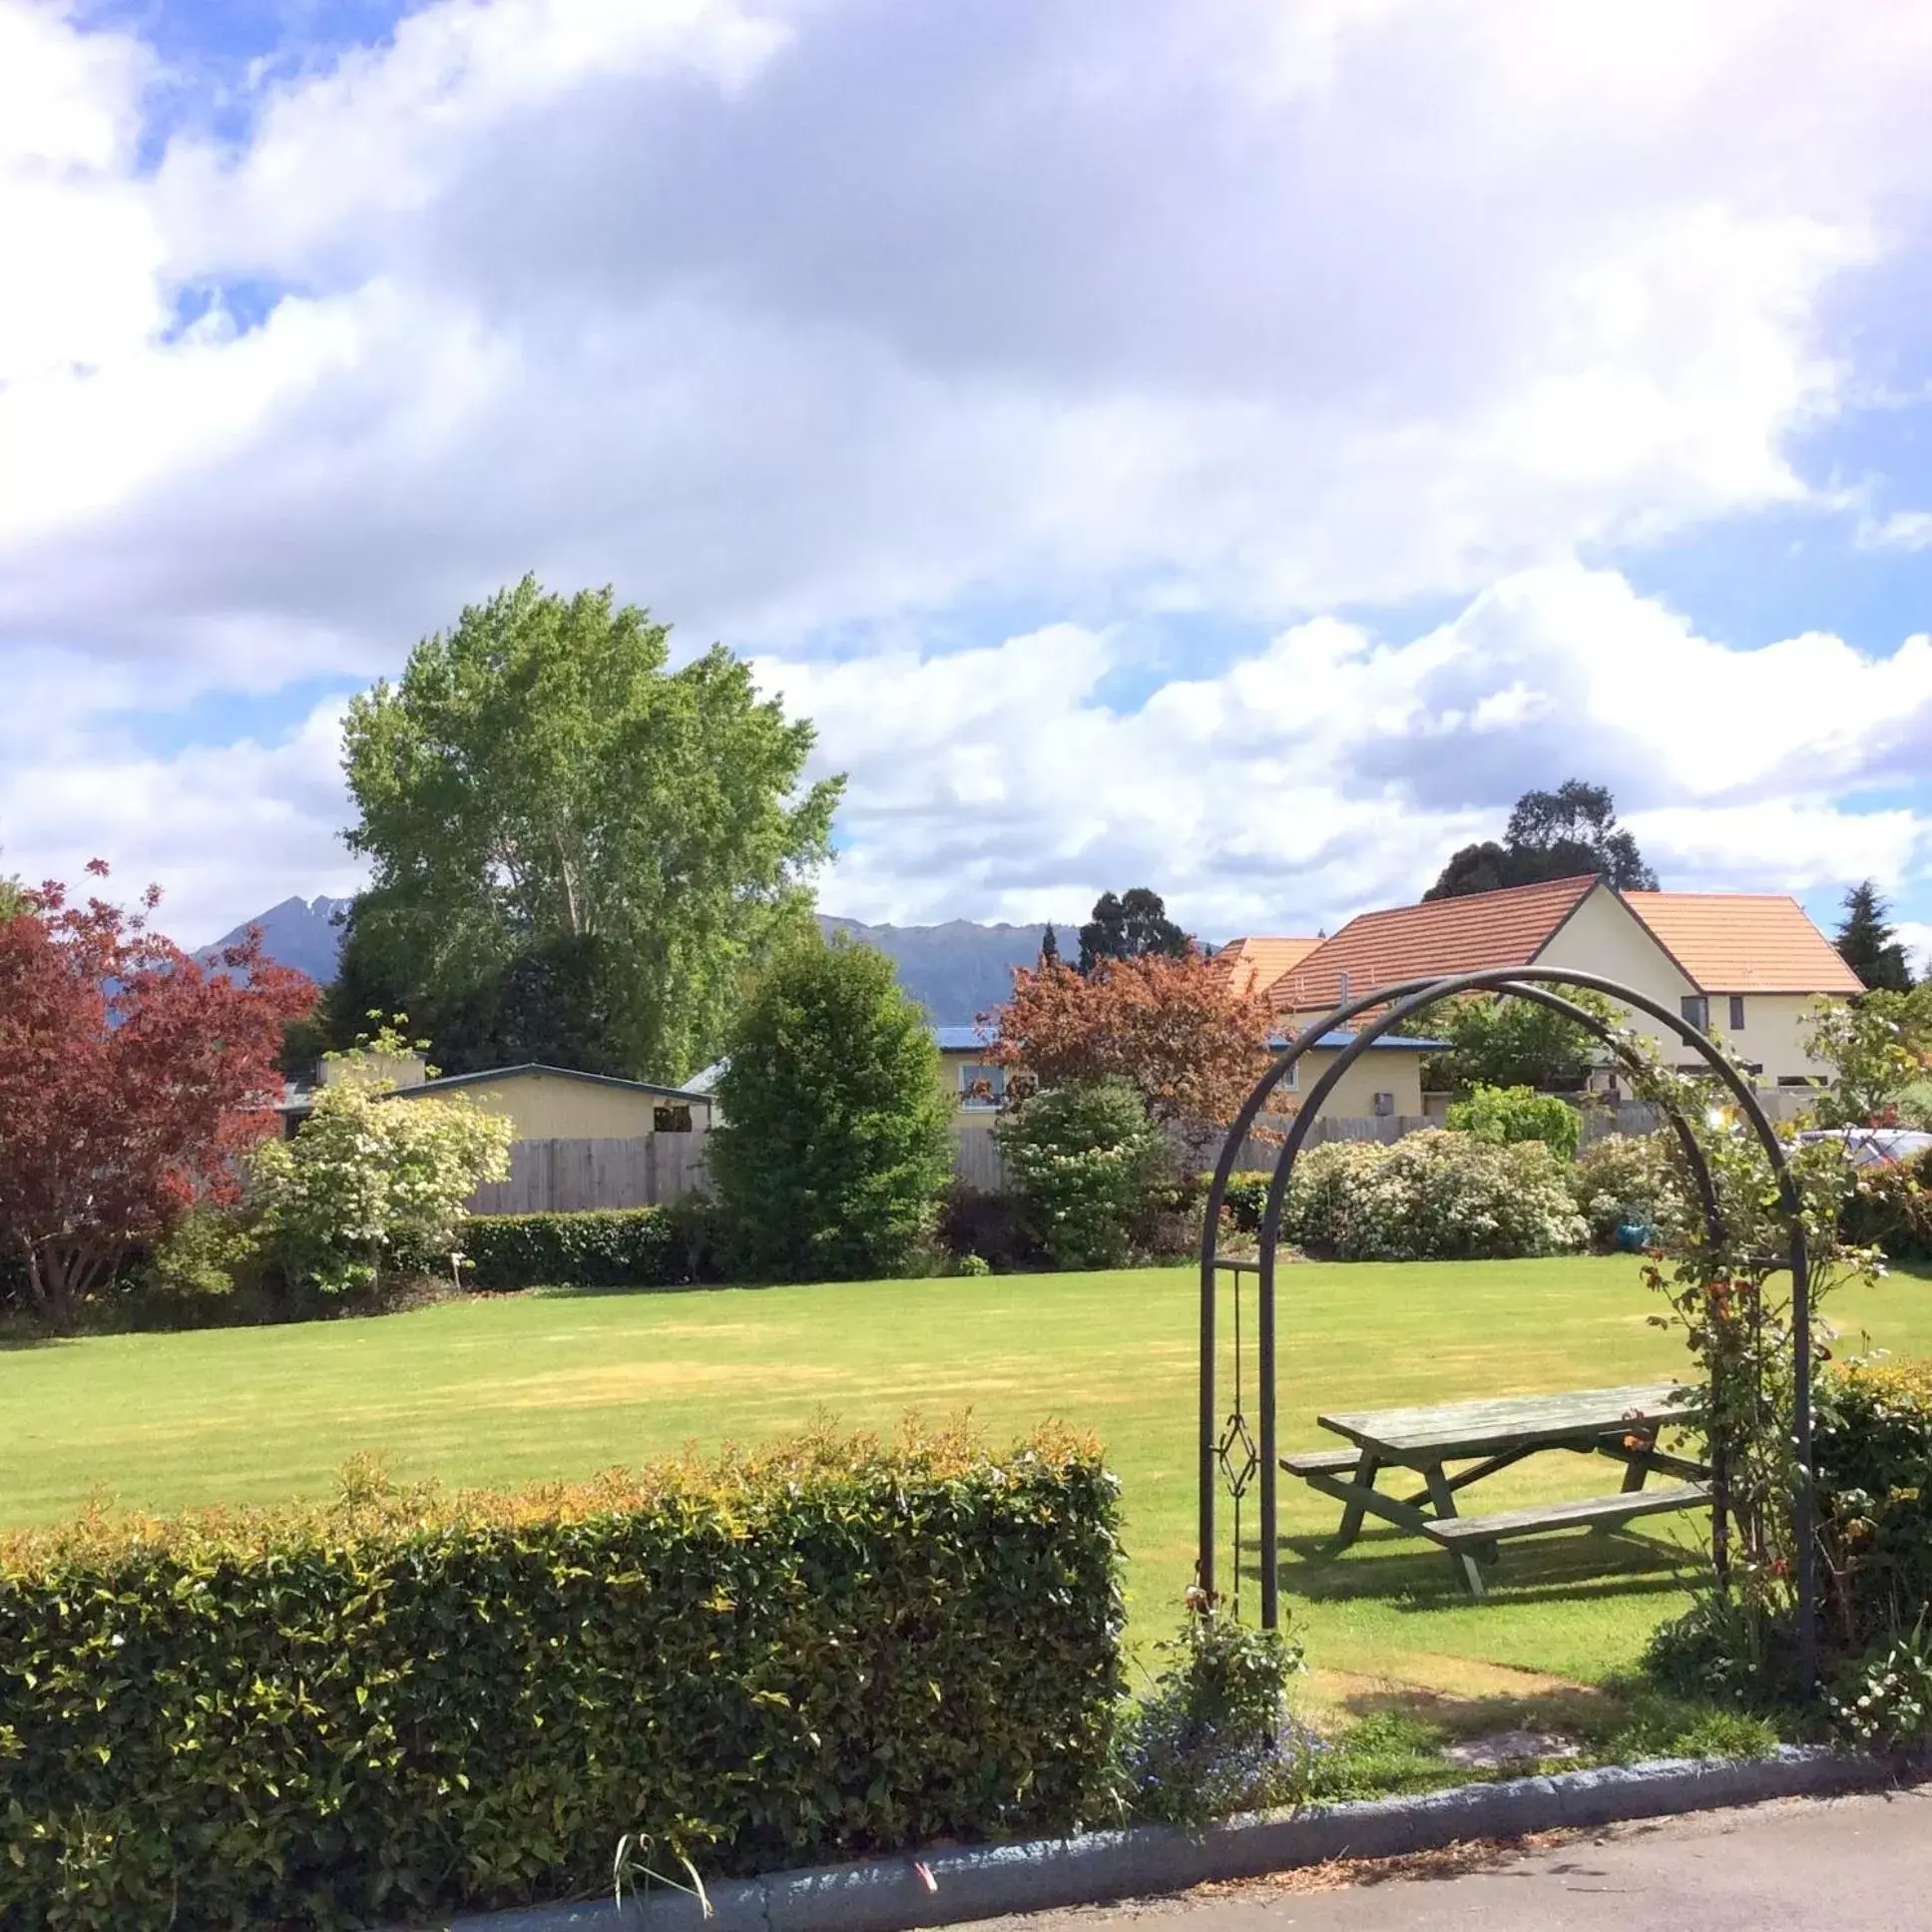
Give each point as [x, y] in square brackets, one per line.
[1860, 1864]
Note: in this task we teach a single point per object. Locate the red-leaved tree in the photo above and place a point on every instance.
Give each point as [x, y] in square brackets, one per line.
[132, 1080]
[1176, 1028]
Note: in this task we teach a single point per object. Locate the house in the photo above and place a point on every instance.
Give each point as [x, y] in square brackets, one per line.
[548, 1103]
[1744, 965]
[1386, 1081]
[1255, 964]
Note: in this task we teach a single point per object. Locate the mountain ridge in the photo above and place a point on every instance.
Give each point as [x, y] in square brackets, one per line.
[957, 969]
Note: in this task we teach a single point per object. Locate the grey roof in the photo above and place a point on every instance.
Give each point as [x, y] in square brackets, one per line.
[965, 1039]
[443, 1082]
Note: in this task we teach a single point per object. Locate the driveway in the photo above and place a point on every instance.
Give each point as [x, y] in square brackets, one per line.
[1861, 1864]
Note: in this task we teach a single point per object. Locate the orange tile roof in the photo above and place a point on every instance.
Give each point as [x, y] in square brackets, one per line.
[1481, 929]
[1745, 942]
[1255, 964]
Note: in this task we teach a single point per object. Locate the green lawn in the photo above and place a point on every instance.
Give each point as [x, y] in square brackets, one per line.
[557, 1386]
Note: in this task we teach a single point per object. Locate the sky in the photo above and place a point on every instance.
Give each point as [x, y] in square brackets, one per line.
[1208, 444]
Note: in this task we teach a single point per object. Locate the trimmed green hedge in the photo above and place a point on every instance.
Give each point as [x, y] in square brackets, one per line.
[402, 1705]
[611, 1247]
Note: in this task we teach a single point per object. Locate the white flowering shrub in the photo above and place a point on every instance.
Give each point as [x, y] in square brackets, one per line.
[367, 1180]
[1433, 1196]
[1628, 1178]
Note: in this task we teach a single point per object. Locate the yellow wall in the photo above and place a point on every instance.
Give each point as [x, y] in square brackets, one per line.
[544, 1108]
[1396, 1071]
[1772, 1035]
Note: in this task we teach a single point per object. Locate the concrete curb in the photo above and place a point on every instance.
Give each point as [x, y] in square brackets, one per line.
[889, 1895]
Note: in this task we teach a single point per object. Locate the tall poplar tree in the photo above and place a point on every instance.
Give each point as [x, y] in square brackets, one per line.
[570, 836]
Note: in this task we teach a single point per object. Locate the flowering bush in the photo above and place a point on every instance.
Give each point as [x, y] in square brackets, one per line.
[368, 1178]
[1628, 1178]
[1433, 1196]
[1082, 1159]
[1214, 1734]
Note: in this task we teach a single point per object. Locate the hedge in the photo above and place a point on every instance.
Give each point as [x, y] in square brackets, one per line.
[1874, 1474]
[615, 1247]
[399, 1706]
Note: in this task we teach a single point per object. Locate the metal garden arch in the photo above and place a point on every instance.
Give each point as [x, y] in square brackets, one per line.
[1223, 1441]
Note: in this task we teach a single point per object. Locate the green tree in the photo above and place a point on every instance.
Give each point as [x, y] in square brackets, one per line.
[1879, 1047]
[1129, 926]
[836, 1140]
[570, 840]
[1551, 836]
[1081, 1157]
[1865, 942]
[1506, 1115]
[1508, 1042]
[1048, 947]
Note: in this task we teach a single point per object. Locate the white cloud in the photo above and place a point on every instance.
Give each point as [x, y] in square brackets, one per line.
[790, 316]
[1902, 530]
[1332, 770]
[796, 317]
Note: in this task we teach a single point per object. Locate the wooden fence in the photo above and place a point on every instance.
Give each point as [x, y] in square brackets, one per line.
[657, 1167]
[554, 1175]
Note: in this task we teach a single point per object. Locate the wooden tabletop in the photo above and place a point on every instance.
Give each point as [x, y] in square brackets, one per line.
[1506, 1422]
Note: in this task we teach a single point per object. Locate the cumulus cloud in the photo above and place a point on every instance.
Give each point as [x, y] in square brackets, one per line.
[811, 322]
[1334, 770]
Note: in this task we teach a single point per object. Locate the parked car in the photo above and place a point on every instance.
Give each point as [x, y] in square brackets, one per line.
[1874, 1147]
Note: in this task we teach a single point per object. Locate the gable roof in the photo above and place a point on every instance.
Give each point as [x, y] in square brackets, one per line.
[443, 1083]
[1465, 935]
[1254, 964]
[1745, 942]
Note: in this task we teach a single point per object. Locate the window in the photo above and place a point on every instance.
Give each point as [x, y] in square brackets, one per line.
[1696, 1009]
[671, 1119]
[981, 1087]
[1738, 1012]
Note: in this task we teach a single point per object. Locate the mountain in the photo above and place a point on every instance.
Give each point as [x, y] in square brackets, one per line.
[956, 971]
[302, 933]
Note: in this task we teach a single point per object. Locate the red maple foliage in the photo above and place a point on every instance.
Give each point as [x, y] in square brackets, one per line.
[132, 1078]
[1175, 1026]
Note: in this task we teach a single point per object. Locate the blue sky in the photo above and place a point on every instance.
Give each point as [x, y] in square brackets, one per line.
[1236, 451]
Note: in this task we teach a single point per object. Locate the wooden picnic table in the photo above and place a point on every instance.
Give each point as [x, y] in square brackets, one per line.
[1621, 1423]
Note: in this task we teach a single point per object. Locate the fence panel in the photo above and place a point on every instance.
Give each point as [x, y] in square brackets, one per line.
[977, 1162]
[564, 1176]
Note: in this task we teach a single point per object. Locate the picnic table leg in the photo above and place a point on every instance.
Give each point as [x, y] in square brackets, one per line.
[1462, 1562]
[1351, 1515]
[1639, 1465]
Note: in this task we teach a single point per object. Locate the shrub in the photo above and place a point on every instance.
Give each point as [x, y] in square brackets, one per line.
[1508, 1115]
[369, 1179]
[614, 1247]
[1214, 1737]
[991, 1226]
[208, 1256]
[1082, 1159]
[399, 1707]
[1628, 1178]
[1891, 1207]
[1873, 1456]
[1246, 1199]
[1431, 1196]
[836, 1143]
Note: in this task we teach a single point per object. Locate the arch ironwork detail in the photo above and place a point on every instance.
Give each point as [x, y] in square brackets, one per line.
[1387, 1009]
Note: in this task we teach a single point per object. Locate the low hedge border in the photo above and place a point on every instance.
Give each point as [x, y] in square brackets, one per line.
[401, 1706]
[611, 1247]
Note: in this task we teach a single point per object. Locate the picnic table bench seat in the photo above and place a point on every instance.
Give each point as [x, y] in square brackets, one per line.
[1320, 1462]
[1572, 1513]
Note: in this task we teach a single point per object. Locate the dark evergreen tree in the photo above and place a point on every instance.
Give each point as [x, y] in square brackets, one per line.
[1865, 942]
[1551, 836]
[1130, 926]
[1048, 947]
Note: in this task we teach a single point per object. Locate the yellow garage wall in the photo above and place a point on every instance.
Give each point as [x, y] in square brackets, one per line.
[542, 1106]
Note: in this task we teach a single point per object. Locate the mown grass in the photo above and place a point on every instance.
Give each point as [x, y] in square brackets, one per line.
[512, 1389]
